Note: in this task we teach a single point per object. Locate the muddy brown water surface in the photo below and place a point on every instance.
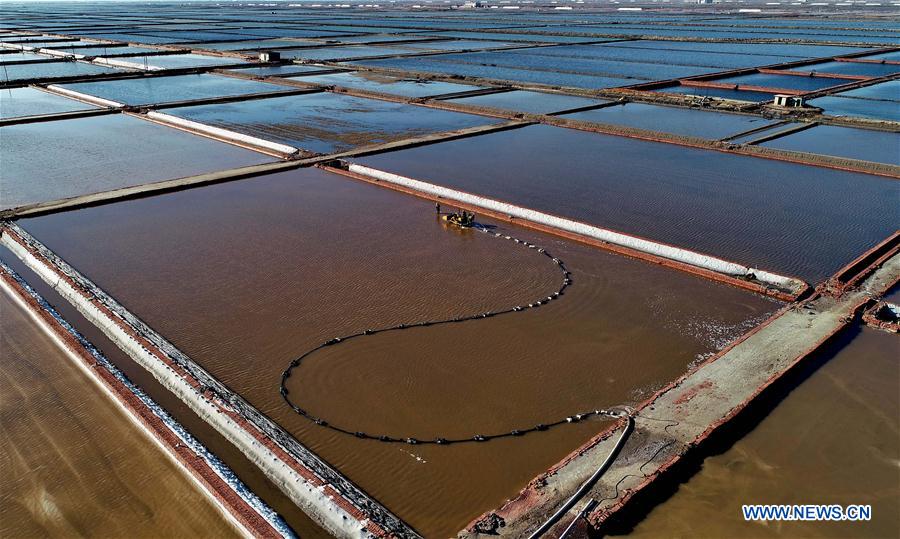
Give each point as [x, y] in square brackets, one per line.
[245, 276]
[246, 471]
[835, 439]
[73, 463]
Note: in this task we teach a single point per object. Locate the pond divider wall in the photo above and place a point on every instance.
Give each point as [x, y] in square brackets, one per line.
[515, 118]
[673, 426]
[53, 116]
[884, 316]
[328, 497]
[553, 119]
[148, 189]
[779, 286]
[859, 268]
[750, 149]
[279, 150]
[240, 506]
[84, 98]
[60, 53]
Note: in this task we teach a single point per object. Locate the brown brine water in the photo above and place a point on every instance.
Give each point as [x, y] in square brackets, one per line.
[73, 463]
[835, 439]
[245, 470]
[245, 276]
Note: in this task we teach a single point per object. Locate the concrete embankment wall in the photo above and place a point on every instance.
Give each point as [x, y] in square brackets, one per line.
[279, 150]
[85, 98]
[250, 515]
[790, 285]
[682, 416]
[329, 498]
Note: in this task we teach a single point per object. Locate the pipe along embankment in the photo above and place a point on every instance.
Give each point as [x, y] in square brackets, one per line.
[552, 296]
[586, 486]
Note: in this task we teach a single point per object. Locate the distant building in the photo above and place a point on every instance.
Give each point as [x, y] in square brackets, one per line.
[269, 56]
[788, 101]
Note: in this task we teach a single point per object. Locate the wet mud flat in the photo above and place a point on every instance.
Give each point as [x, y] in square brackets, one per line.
[73, 463]
[783, 217]
[835, 439]
[341, 257]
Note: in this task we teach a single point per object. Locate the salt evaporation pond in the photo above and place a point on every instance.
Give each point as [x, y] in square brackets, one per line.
[373, 82]
[277, 71]
[662, 55]
[350, 51]
[149, 90]
[341, 256]
[105, 51]
[855, 379]
[525, 101]
[852, 68]
[788, 82]
[74, 464]
[889, 91]
[246, 471]
[836, 105]
[46, 70]
[17, 102]
[679, 121]
[87, 155]
[724, 93]
[868, 145]
[550, 78]
[179, 61]
[784, 217]
[327, 122]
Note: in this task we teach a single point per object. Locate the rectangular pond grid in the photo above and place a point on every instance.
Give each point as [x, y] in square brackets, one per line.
[755, 211]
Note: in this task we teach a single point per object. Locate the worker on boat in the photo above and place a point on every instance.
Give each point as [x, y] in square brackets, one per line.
[460, 218]
[437, 208]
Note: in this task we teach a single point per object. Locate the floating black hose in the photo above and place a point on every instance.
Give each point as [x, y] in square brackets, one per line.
[566, 282]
